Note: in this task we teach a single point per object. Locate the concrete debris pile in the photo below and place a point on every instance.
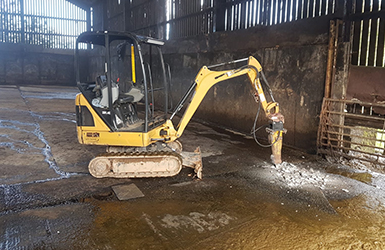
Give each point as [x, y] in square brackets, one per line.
[294, 176]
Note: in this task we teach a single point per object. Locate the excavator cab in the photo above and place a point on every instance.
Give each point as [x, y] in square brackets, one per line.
[123, 78]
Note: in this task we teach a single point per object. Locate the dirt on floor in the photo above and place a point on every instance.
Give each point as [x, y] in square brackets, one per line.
[48, 200]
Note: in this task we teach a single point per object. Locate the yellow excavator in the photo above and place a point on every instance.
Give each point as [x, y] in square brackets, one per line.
[125, 104]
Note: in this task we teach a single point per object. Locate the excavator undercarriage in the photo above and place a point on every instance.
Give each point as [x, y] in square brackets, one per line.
[157, 160]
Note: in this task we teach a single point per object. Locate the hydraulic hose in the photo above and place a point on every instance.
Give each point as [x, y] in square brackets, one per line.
[255, 130]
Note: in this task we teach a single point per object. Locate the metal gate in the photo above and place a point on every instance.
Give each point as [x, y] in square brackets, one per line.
[350, 129]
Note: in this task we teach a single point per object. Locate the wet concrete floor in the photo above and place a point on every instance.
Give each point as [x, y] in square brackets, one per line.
[49, 201]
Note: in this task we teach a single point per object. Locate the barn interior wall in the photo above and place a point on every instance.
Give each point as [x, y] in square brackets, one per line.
[31, 64]
[293, 56]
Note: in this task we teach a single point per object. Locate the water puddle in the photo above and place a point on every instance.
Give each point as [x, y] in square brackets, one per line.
[56, 116]
[16, 127]
[353, 228]
[197, 221]
[364, 177]
[28, 139]
[231, 214]
[68, 96]
[11, 238]
[14, 196]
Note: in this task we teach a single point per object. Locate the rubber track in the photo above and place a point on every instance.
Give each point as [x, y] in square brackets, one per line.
[145, 153]
[133, 155]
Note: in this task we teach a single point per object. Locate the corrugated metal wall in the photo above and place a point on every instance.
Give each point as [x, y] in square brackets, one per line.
[169, 19]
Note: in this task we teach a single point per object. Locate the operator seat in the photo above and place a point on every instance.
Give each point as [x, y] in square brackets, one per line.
[129, 93]
[100, 82]
[125, 105]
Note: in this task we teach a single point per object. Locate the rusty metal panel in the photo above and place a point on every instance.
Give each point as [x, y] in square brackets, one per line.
[352, 130]
[366, 84]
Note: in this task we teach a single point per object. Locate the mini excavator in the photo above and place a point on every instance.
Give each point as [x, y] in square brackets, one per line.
[125, 102]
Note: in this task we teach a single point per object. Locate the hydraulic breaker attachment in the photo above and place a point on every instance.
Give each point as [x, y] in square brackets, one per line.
[276, 131]
[276, 139]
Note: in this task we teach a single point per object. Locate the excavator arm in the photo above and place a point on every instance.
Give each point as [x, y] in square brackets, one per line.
[207, 78]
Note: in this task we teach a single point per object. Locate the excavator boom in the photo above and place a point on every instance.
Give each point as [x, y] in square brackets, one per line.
[207, 78]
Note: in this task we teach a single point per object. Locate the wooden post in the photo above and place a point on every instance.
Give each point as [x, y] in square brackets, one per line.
[219, 13]
[330, 62]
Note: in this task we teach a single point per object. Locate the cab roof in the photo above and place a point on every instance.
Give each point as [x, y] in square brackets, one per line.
[98, 37]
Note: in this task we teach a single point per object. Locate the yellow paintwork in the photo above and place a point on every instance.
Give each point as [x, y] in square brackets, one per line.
[207, 78]
[276, 148]
[133, 64]
[100, 134]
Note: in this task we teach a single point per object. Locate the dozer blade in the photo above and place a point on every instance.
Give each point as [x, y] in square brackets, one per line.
[193, 160]
[136, 165]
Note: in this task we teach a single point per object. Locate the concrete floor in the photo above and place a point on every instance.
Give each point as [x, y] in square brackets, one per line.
[49, 201]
